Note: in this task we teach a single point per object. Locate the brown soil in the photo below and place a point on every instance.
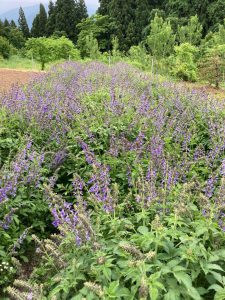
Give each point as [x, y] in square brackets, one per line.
[9, 77]
[207, 89]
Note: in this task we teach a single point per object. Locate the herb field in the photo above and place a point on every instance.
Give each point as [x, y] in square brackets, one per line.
[112, 186]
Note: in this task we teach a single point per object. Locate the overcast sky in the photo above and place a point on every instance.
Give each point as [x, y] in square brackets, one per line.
[6, 5]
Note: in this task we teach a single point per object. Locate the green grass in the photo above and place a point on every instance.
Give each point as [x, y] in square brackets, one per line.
[18, 62]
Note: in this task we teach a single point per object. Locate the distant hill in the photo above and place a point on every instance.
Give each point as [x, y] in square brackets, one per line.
[31, 11]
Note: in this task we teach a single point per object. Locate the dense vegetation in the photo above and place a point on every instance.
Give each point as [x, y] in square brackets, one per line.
[182, 39]
[112, 186]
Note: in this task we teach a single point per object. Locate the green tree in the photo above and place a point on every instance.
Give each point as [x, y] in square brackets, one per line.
[39, 24]
[142, 15]
[45, 50]
[23, 24]
[12, 24]
[139, 54]
[5, 48]
[212, 65]
[103, 7]
[161, 39]
[16, 38]
[51, 22]
[185, 66]
[191, 33]
[6, 23]
[215, 13]
[213, 39]
[124, 14]
[101, 27]
[115, 47]
[35, 32]
[65, 17]
[92, 47]
[81, 10]
[69, 13]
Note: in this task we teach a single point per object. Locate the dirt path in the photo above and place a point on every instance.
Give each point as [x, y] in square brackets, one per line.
[8, 77]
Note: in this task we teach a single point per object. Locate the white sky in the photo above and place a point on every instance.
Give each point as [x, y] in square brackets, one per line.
[6, 5]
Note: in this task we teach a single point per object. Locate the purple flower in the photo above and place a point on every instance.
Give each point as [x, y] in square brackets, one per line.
[223, 168]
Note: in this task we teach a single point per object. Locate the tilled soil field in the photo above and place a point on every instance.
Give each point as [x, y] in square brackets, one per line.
[9, 77]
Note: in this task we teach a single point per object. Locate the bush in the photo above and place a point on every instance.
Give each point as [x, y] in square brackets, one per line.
[5, 48]
[185, 66]
[212, 65]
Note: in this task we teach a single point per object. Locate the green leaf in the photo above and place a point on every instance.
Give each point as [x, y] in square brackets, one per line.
[143, 230]
[107, 273]
[172, 295]
[194, 293]
[153, 293]
[214, 267]
[220, 295]
[183, 278]
[215, 287]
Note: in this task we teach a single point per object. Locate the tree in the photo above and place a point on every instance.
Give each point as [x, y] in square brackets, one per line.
[142, 15]
[81, 10]
[51, 22]
[6, 23]
[215, 13]
[12, 24]
[101, 27]
[124, 14]
[115, 48]
[212, 65]
[92, 47]
[67, 14]
[103, 7]
[35, 32]
[185, 66]
[23, 24]
[213, 39]
[45, 50]
[5, 48]
[16, 38]
[191, 33]
[139, 54]
[39, 24]
[161, 39]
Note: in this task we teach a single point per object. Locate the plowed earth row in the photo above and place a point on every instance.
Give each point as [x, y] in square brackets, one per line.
[10, 77]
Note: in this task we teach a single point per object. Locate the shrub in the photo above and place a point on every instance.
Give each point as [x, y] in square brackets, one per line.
[185, 66]
[5, 48]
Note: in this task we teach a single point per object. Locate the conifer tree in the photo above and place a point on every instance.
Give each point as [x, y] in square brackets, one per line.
[67, 14]
[6, 23]
[23, 26]
[42, 20]
[12, 24]
[39, 24]
[35, 27]
[65, 17]
[142, 14]
[81, 12]
[80, 15]
[161, 39]
[191, 33]
[51, 22]
[104, 7]
[124, 14]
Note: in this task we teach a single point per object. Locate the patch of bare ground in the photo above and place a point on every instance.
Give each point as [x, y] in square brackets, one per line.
[10, 77]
